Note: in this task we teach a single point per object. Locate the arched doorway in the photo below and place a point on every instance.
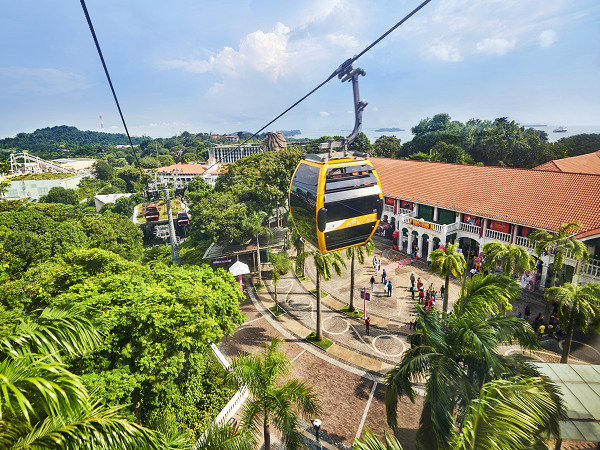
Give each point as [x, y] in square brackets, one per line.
[426, 245]
[470, 249]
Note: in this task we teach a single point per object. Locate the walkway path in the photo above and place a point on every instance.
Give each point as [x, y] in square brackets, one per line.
[349, 376]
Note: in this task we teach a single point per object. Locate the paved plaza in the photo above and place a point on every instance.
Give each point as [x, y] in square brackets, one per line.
[349, 377]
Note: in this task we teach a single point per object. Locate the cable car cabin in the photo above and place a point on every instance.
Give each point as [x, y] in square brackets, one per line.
[182, 218]
[337, 203]
[151, 213]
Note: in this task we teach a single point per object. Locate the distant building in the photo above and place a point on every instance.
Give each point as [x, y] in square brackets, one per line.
[231, 153]
[233, 138]
[184, 173]
[101, 200]
[77, 164]
[34, 189]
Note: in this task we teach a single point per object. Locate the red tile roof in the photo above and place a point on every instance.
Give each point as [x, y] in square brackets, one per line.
[185, 169]
[588, 163]
[534, 198]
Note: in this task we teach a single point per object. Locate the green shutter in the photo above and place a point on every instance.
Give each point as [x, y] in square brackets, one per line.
[446, 216]
[426, 213]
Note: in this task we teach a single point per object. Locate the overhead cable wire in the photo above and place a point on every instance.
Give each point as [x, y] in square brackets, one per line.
[345, 64]
[89, 21]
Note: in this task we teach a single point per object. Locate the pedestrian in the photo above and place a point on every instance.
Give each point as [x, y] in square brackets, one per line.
[412, 321]
[374, 262]
[389, 287]
[419, 283]
[378, 267]
[442, 290]
[527, 312]
[541, 330]
[421, 295]
[412, 279]
[473, 272]
[372, 283]
[383, 275]
[412, 257]
[519, 315]
[431, 288]
[412, 292]
[368, 326]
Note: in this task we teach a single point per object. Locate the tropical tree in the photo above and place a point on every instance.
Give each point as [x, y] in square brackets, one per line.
[510, 256]
[298, 244]
[447, 261]
[44, 405]
[456, 354]
[323, 266]
[255, 226]
[516, 413]
[369, 441]
[272, 399]
[577, 307]
[358, 253]
[281, 265]
[560, 243]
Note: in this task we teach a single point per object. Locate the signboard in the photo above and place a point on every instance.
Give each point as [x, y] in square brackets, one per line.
[418, 223]
[365, 295]
[223, 261]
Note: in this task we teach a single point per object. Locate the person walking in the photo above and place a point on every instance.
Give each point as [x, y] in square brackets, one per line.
[412, 321]
[383, 275]
[527, 312]
[421, 295]
[378, 267]
[389, 288]
[412, 292]
[412, 279]
[442, 290]
[374, 262]
[368, 326]
[372, 283]
[419, 283]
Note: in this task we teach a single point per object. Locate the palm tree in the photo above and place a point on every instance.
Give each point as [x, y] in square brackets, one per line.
[447, 261]
[323, 266]
[271, 398]
[517, 413]
[281, 265]
[456, 354]
[511, 256]
[559, 242]
[577, 307]
[255, 226]
[357, 252]
[43, 405]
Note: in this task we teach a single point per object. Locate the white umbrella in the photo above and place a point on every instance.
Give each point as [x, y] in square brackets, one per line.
[239, 268]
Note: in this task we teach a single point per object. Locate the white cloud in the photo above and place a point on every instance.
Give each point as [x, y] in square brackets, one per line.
[259, 51]
[547, 38]
[324, 114]
[445, 52]
[495, 46]
[41, 81]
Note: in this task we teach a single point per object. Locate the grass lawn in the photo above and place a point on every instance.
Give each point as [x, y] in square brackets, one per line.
[259, 286]
[277, 311]
[301, 278]
[323, 293]
[324, 344]
[357, 313]
[162, 209]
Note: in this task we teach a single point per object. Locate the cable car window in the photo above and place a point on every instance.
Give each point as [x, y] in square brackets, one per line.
[348, 236]
[351, 207]
[303, 201]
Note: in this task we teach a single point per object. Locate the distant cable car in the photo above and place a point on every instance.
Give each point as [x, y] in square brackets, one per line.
[335, 198]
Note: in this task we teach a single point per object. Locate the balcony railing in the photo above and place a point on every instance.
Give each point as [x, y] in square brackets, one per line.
[443, 230]
[474, 229]
[524, 242]
[592, 268]
[497, 235]
[407, 212]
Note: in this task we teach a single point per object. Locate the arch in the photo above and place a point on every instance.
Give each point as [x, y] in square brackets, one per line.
[405, 231]
[415, 232]
[425, 236]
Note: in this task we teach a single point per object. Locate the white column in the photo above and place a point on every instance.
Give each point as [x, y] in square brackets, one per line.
[409, 242]
[400, 238]
[435, 213]
[420, 245]
[543, 278]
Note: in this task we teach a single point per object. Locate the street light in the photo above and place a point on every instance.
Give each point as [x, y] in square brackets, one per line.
[317, 425]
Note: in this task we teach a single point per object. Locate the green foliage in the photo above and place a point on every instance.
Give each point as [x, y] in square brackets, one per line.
[512, 257]
[386, 147]
[103, 171]
[43, 176]
[457, 354]
[447, 261]
[60, 195]
[274, 397]
[124, 206]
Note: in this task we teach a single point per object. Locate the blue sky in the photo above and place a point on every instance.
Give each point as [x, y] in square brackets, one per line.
[226, 66]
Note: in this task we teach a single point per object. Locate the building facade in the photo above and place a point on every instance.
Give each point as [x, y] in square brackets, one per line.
[430, 204]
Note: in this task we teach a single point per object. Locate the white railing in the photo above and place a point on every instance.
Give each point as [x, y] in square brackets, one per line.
[474, 229]
[497, 235]
[388, 208]
[232, 405]
[592, 268]
[407, 212]
[451, 227]
[524, 242]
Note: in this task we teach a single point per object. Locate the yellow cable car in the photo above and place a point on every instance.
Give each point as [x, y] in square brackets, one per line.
[335, 203]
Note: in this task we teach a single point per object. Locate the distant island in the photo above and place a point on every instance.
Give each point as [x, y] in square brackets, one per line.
[388, 130]
[290, 133]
